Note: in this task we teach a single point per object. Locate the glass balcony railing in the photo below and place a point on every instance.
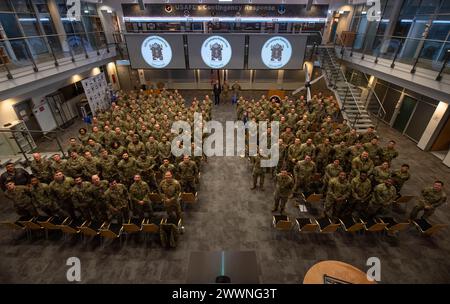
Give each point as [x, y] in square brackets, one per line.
[19, 56]
[418, 52]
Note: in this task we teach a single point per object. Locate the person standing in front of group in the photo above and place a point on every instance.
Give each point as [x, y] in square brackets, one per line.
[235, 88]
[225, 93]
[216, 91]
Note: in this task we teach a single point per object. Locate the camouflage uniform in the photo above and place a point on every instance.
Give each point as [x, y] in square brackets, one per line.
[75, 166]
[21, 197]
[108, 167]
[258, 171]
[388, 154]
[359, 165]
[322, 156]
[431, 199]
[117, 202]
[336, 199]
[90, 167]
[127, 169]
[303, 173]
[307, 149]
[382, 198]
[145, 167]
[399, 178]
[170, 190]
[41, 170]
[380, 175]
[136, 149]
[82, 200]
[360, 195]
[42, 200]
[188, 175]
[284, 184]
[139, 191]
[61, 193]
[97, 193]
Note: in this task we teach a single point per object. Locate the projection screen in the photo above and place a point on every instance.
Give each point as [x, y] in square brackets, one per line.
[155, 51]
[216, 51]
[276, 51]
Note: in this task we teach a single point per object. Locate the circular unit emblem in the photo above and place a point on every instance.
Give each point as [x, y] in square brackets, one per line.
[156, 51]
[276, 52]
[216, 52]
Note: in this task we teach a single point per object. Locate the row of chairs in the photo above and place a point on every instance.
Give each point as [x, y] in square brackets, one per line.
[107, 230]
[352, 225]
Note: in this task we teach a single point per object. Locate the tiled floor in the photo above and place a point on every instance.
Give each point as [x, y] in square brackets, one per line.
[231, 217]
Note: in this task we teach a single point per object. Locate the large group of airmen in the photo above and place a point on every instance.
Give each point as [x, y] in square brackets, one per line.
[112, 168]
[320, 154]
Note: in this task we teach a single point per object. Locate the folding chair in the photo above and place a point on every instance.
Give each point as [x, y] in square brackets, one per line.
[31, 225]
[426, 228]
[91, 228]
[393, 226]
[133, 226]
[325, 225]
[314, 198]
[349, 224]
[189, 198]
[13, 225]
[47, 224]
[282, 222]
[111, 231]
[306, 225]
[151, 226]
[371, 225]
[70, 227]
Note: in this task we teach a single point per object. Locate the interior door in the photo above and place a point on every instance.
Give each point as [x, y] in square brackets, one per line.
[24, 112]
[403, 116]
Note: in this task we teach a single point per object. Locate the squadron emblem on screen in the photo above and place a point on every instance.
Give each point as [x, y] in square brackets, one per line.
[277, 52]
[216, 52]
[157, 51]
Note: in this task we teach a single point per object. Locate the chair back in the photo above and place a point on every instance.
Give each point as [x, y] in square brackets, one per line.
[150, 228]
[435, 228]
[330, 228]
[398, 227]
[376, 227]
[314, 198]
[12, 225]
[189, 198]
[31, 225]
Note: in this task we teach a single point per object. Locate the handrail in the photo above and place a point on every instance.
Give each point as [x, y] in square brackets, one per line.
[381, 108]
[348, 87]
[52, 35]
[26, 132]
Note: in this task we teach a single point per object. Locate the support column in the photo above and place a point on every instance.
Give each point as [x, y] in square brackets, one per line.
[428, 135]
[107, 22]
[56, 18]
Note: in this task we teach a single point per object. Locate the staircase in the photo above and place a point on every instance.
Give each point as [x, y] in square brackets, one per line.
[352, 107]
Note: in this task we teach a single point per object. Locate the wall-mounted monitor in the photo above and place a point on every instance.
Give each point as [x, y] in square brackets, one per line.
[276, 51]
[154, 51]
[216, 51]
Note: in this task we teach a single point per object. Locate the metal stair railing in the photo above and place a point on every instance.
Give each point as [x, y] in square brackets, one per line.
[349, 90]
[381, 114]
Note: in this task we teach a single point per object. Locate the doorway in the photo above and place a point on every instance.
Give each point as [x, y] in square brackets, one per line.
[333, 31]
[404, 114]
[24, 112]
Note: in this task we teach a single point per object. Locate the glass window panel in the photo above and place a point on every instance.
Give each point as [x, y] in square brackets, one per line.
[294, 76]
[428, 6]
[409, 8]
[22, 6]
[4, 6]
[420, 120]
[266, 76]
[390, 102]
[182, 75]
[239, 75]
[207, 75]
[445, 6]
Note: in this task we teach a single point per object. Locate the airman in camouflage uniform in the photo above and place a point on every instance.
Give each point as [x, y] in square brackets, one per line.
[97, 191]
[90, 165]
[170, 192]
[41, 168]
[388, 153]
[258, 171]
[284, 184]
[362, 163]
[331, 171]
[294, 151]
[127, 169]
[60, 191]
[383, 196]
[432, 197]
[361, 189]
[107, 165]
[188, 171]
[58, 164]
[337, 195]
[146, 164]
[381, 173]
[21, 197]
[40, 195]
[303, 172]
[74, 146]
[75, 165]
[400, 177]
[117, 201]
[136, 147]
[139, 197]
[81, 198]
